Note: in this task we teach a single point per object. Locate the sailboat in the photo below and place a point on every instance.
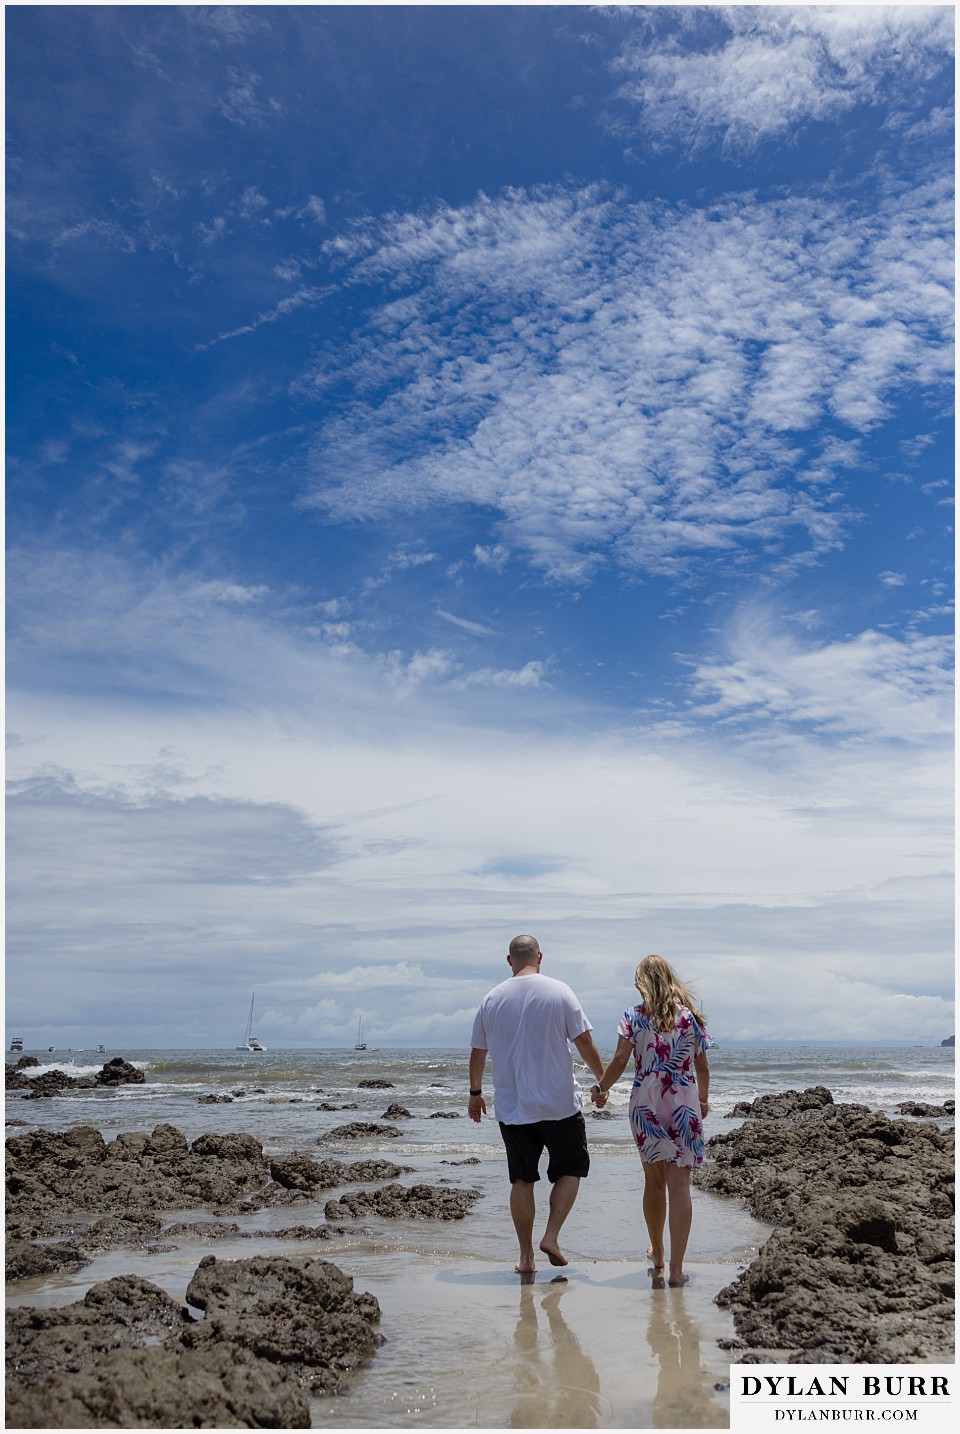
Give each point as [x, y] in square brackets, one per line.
[250, 1041]
[360, 1044]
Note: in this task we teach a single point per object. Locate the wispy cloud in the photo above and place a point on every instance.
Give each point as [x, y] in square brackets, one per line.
[771, 69]
[871, 686]
[632, 382]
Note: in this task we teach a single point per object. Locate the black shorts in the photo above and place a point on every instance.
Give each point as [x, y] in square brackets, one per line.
[566, 1143]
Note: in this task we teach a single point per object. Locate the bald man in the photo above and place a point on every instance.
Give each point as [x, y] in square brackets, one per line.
[525, 1024]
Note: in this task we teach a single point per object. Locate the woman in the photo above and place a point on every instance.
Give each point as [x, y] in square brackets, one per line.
[668, 1040]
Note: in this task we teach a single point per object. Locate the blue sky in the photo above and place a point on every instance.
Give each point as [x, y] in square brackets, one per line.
[476, 470]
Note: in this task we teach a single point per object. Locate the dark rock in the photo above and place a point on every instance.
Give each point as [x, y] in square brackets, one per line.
[25, 1261]
[214, 1100]
[861, 1271]
[783, 1104]
[302, 1314]
[400, 1202]
[17, 1122]
[300, 1172]
[470, 1160]
[396, 1112]
[922, 1109]
[120, 1072]
[127, 1356]
[359, 1130]
[201, 1230]
[325, 1105]
[374, 1170]
[52, 1175]
[49, 1084]
[602, 1114]
[25, 1062]
[445, 1115]
[375, 1083]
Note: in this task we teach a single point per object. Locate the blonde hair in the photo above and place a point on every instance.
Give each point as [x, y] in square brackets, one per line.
[662, 991]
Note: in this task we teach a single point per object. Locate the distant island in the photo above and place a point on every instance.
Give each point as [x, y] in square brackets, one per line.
[950, 1041]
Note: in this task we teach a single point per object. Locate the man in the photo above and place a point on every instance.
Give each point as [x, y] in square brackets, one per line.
[525, 1024]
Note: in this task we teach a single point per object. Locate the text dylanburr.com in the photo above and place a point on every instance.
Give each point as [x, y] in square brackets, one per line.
[765, 1397]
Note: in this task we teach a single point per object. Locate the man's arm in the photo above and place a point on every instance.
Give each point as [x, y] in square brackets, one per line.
[477, 1106]
[587, 1047]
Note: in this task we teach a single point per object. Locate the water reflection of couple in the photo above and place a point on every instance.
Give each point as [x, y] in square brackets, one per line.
[525, 1024]
[556, 1385]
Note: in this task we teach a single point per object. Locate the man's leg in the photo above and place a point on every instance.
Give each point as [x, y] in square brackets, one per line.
[523, 1208]
[562, 1196]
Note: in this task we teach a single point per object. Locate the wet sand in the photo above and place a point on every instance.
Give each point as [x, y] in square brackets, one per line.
[469, 1343]
[594, 1346]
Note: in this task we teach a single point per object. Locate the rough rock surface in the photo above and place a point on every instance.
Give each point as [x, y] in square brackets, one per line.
[861, 1268]
[403, 1202]
[375, 1083]
[923, 1109]
[51, 1175]
[128, 1356]
[120, 1072]
[395, 1111]
[301, 1314]
[359, 1130]
[55, 1082]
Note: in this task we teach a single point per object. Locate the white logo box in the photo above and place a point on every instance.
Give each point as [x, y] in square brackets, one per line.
[776, 1397]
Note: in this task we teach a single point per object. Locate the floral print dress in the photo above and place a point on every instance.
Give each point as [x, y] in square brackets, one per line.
[664, 1106]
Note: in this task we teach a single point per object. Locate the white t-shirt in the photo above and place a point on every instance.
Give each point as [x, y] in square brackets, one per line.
[525, 1024]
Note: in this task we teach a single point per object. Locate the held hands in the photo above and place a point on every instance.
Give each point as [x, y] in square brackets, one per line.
[598, 1096]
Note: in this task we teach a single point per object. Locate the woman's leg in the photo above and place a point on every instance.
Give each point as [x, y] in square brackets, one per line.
[681, 1215]
[655, 1208]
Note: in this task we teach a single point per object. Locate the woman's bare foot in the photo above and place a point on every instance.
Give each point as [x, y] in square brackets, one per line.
[677, 1277]
[552, 1253]
[655, 1257]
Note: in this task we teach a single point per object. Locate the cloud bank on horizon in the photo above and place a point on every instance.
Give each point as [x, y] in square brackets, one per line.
[474, 470]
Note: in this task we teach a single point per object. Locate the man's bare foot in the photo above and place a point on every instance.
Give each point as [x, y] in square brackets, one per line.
[655, 1257]
[552, 1253]
[678, 1278]
[525, 1266]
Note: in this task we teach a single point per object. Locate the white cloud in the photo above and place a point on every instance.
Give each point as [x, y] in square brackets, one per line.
[238, 791]
[478, 629]
[776, 67]
[868, 686]
[630, 383]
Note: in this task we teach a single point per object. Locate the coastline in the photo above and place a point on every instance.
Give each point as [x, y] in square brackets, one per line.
[593, 1345]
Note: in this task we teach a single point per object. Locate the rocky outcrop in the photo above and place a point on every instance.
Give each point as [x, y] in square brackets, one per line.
[861, 1268]
[301, 1315]
[360, 1130]
[924, 1111]
[128, 1356]
[401, 1202]
[120, 1072]
[396, 1112]
[56, 1081]
[51, 1175]
[375, 1083]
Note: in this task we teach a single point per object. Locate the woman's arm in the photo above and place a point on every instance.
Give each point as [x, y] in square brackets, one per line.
[615, 1066]
[702, 1069]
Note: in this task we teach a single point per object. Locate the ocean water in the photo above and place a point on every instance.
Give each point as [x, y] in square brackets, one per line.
[466, 1345]
[275, 1094]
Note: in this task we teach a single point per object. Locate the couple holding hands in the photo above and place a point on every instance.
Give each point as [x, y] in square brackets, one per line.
[525, 1024]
